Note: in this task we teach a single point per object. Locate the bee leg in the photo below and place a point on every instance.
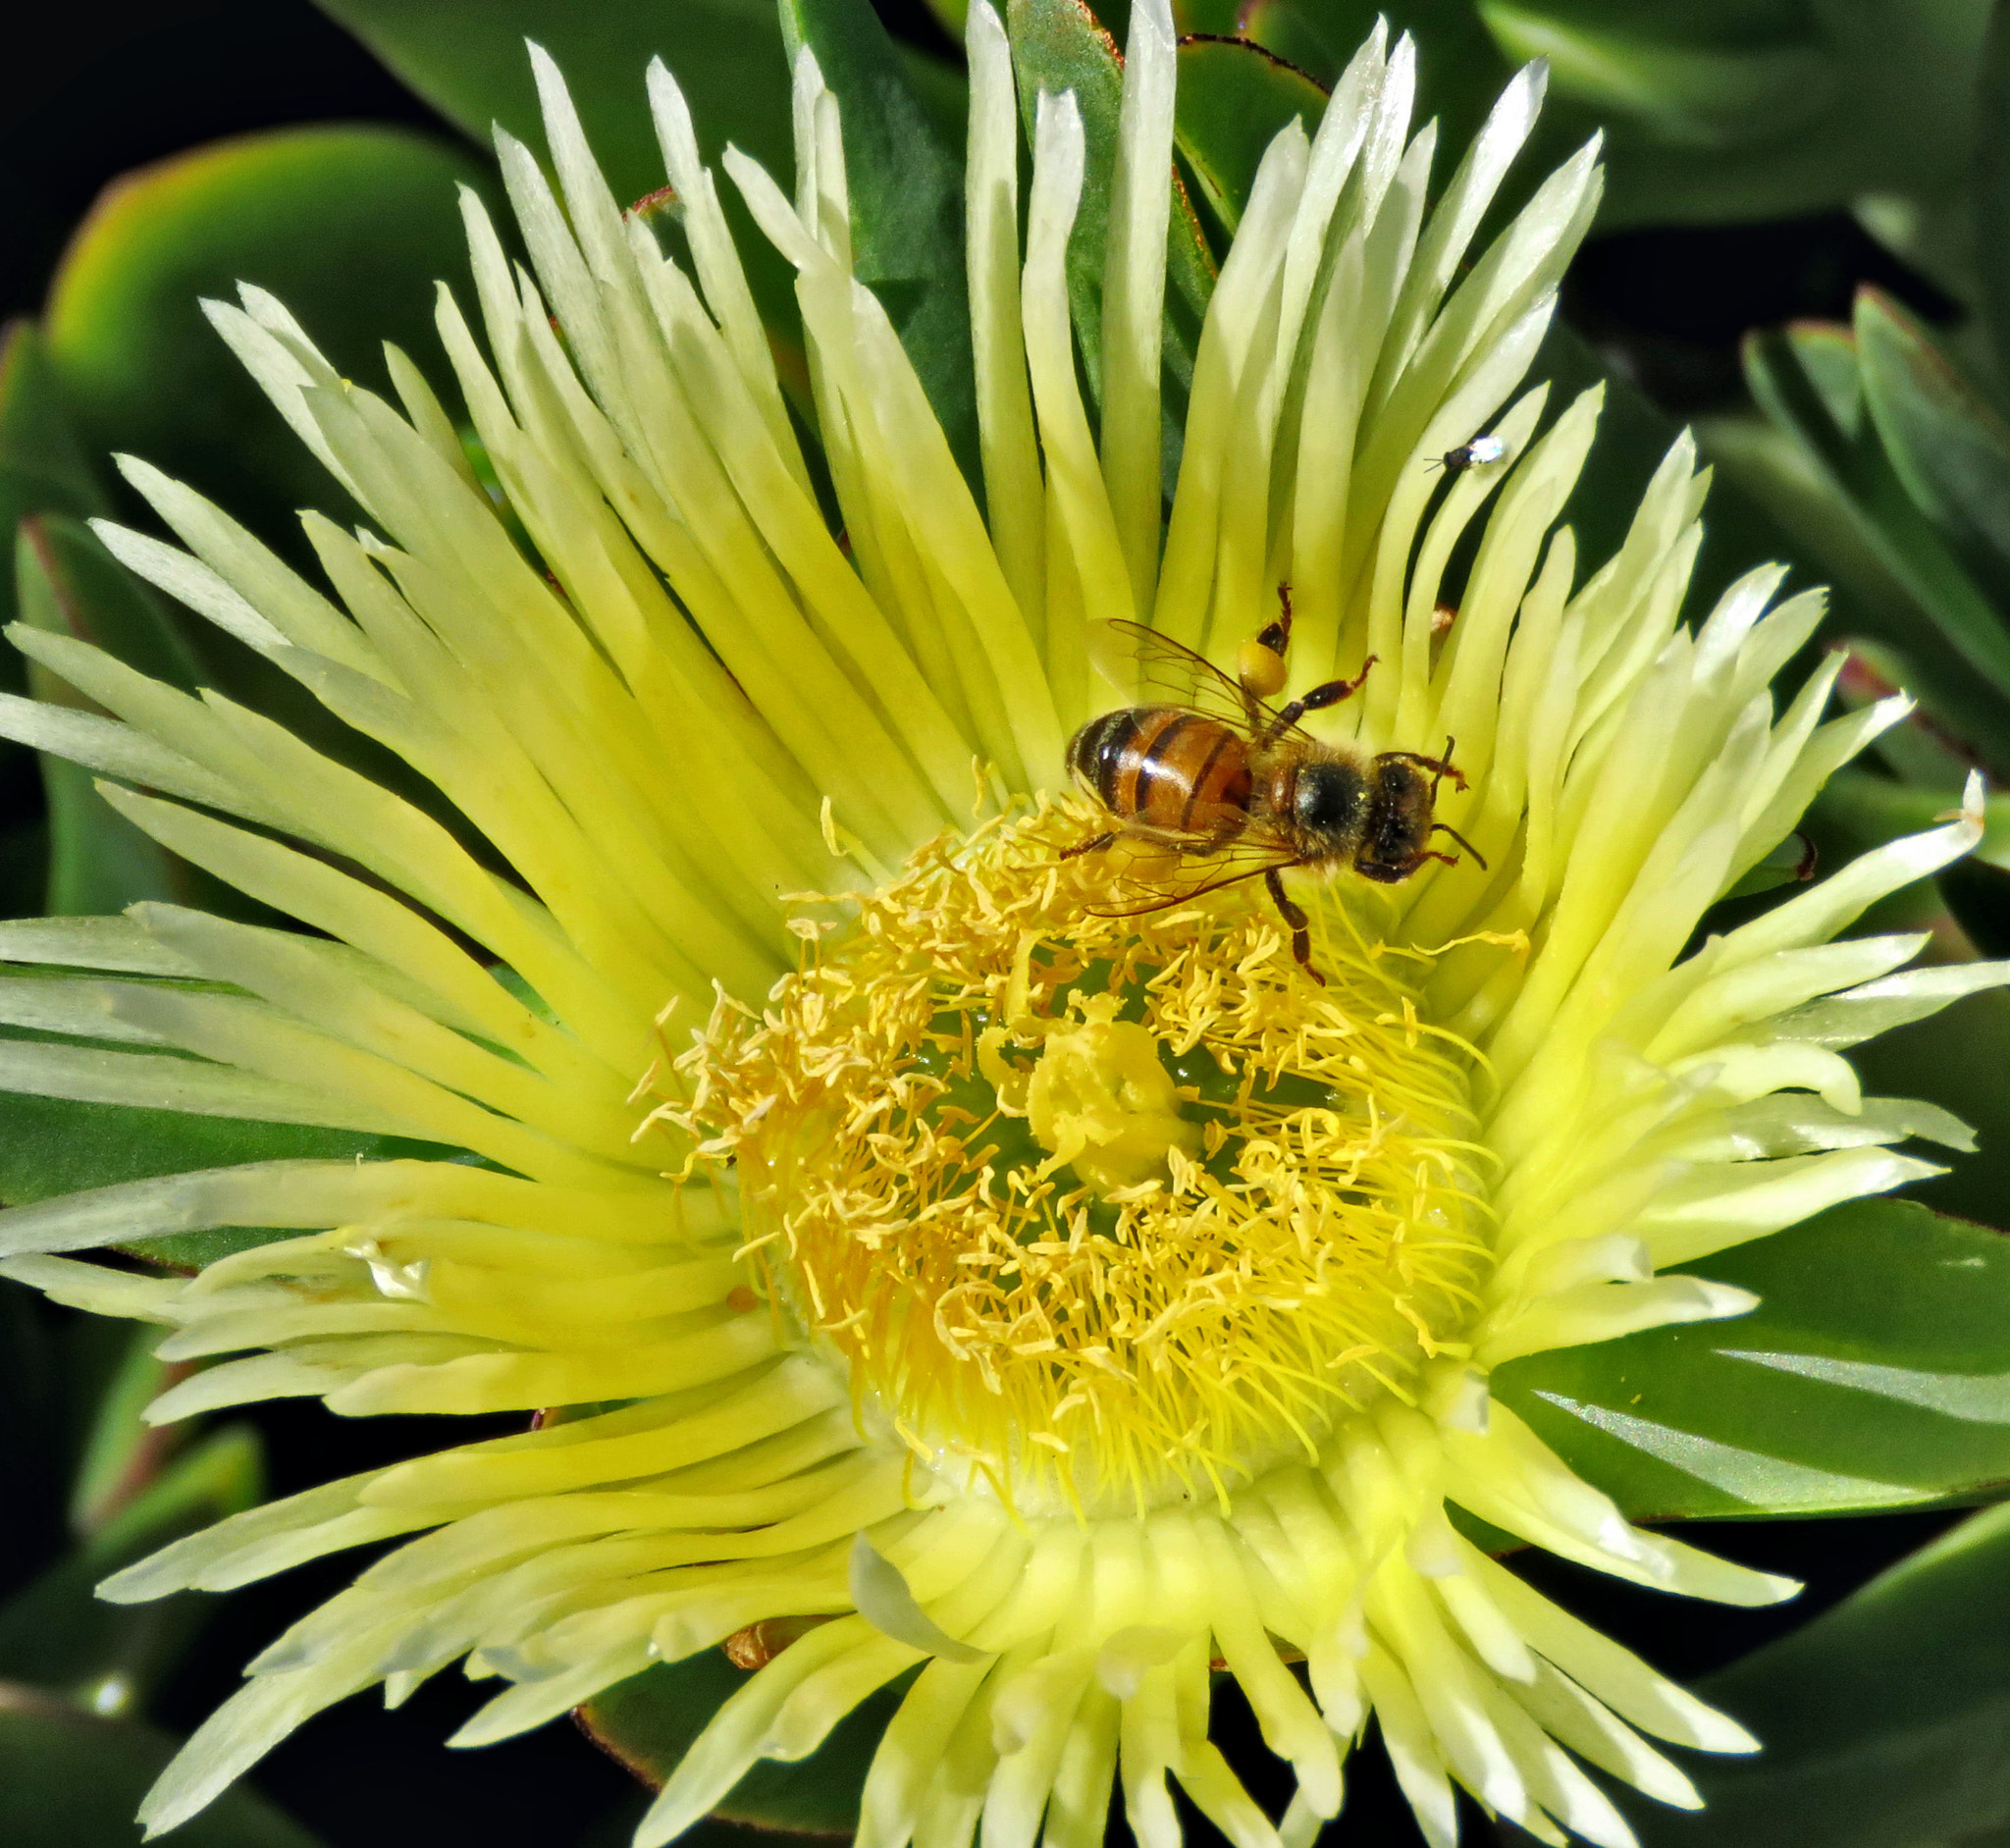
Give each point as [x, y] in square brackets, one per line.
[1260, 665]
[1093, 845]
[1276, 636]
[1301, 925]
[1319, 698]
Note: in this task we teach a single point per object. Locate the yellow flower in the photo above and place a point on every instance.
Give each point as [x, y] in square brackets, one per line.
[1060, 1304]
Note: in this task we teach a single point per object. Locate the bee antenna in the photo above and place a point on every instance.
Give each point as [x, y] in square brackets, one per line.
[1444, 768]
[1446, 827]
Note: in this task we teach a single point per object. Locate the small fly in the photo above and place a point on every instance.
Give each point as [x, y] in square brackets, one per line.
[1474, 454]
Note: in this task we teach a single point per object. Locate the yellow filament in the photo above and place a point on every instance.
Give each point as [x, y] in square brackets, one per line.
[1104, 1211]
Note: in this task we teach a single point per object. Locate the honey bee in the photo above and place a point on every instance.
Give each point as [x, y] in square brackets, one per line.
[1234, 787]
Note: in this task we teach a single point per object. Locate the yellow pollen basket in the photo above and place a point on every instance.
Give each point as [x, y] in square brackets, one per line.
[1102, 1212]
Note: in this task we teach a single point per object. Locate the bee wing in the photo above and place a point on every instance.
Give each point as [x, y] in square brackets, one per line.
[1149, 869]
[1141, 662]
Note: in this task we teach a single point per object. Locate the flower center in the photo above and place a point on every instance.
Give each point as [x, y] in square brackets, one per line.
[1101, 1211]
[1099, 1097]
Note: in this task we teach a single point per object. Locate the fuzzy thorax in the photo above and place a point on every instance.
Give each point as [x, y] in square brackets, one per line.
[1102, 1212]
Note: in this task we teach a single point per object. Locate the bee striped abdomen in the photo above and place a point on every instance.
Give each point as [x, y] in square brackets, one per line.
[1165, 767]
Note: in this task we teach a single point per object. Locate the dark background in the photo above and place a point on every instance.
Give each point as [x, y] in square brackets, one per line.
[98, 88]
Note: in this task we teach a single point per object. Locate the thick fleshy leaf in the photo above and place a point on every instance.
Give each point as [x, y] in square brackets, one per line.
[1951, 447]
[71, 1779]
[92, 596]
[1059, 45]
[1234, 98]
[43, 466]
[649, 1720]
[1759, 111]
[56, 1633]
[1956, 1060]
[51, 1145]
[1768, 465]
[350, 226]
[1807, 381]
[1873, 1374]
[121, 1456]
[466, 58]
[1991, 183]
[1885, 1721]
[905, 175]
[1459, 67]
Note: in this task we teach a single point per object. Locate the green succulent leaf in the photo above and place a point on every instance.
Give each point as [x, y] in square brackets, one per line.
[466, 58]
[69, 1778]
[1460, 68]
[1740, 112]
[43, 469]
[1768, 468]
[1664, 82]
[55, 1633]
[905, 176]
[1992, 183]
[1885, 1721]
[43, 466]
[1873, 1374]
[121, 1456]
[649, 1720]
[53, 1145]
[1810, 382]
[1234, 98]
[350, 226]
[1956, 1060]
[79, 589]
[1948, 445]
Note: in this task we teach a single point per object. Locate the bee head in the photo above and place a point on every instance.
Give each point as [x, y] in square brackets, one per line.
[1328, 799]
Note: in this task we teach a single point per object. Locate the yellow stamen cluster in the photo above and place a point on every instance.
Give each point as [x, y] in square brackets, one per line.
[1103, 1210]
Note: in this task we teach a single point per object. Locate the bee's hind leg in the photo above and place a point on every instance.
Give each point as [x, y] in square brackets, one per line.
[1095, 844]
[1295, 917]
[1259, 665]
[1319, 699]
